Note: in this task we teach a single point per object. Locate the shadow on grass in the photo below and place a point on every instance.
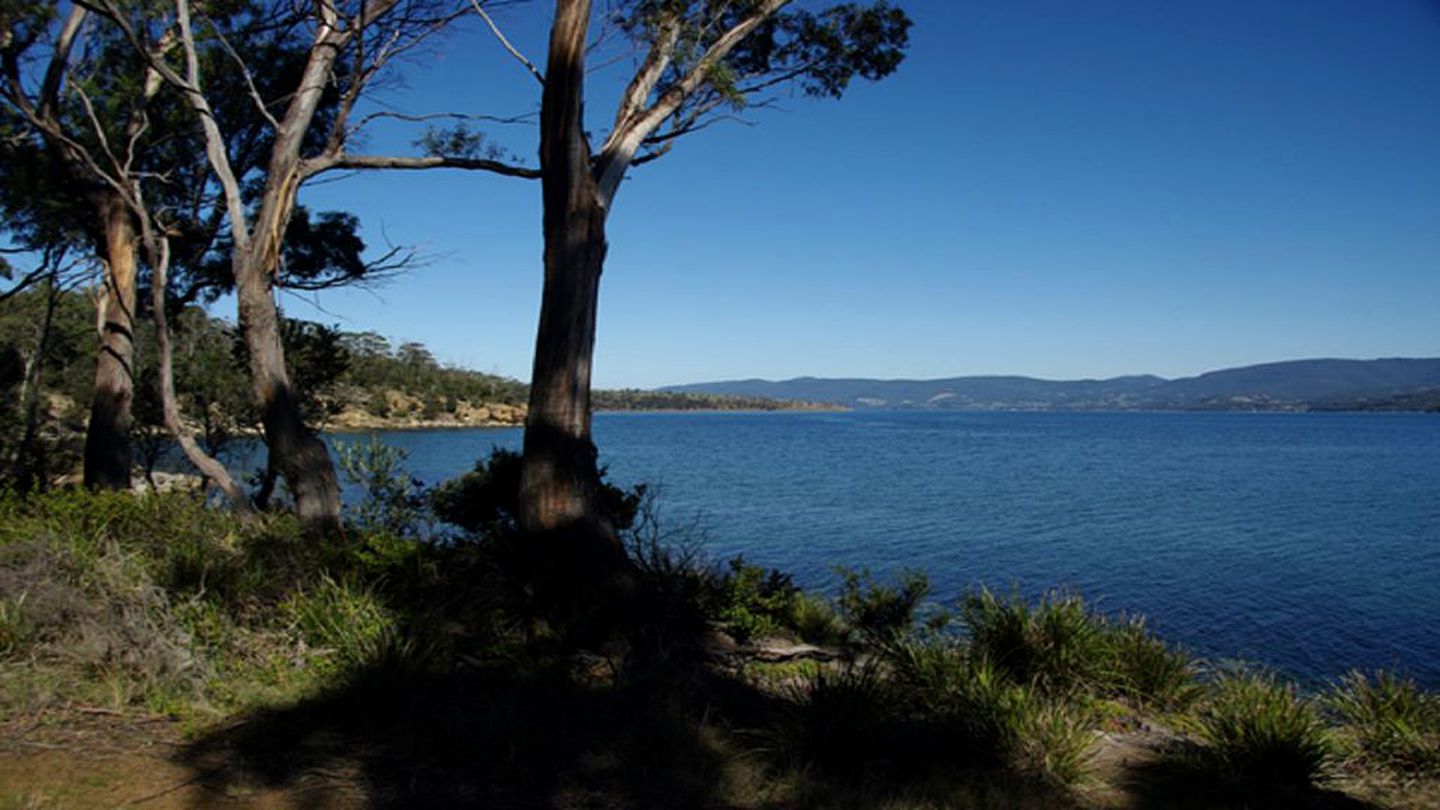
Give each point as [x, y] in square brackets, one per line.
[480, 739]
[1181, 781]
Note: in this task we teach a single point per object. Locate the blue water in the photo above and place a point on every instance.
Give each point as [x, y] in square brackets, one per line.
[1306, 542]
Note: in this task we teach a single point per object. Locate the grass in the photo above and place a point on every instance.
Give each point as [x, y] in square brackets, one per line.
[397, 648]
[1388, 722]
[1256, 729]
[1062, 645]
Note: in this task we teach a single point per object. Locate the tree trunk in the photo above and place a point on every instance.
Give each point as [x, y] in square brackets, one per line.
[170, 406]
[30, 468]
[107, 439]
[560, 506]
[560, 477]
[296, 451]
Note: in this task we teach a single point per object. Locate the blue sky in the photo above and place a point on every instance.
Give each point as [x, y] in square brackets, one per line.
[1054, 188]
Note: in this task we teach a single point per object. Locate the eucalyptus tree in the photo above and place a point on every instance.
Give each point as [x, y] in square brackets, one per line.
[62, 149]
[699, 60]
[347, 45]
[96, 148]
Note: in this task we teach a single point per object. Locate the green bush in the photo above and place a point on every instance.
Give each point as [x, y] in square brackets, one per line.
[814, 619]
[394, 503]
[1259, 730]
[1389, 722]
[882, 616]
[486, 500]
[754, 602]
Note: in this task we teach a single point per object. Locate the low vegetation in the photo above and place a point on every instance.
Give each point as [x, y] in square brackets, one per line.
[383, 651]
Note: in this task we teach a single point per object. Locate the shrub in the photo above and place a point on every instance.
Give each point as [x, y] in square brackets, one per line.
[393, 502]
[1257, 729]
[1389, 722]
[1062, 645]
[484, 499]
[487, 499]
[754, 602]
[814, 619]
[882, 616]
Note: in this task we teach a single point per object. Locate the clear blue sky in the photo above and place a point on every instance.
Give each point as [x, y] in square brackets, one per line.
[1049, 188]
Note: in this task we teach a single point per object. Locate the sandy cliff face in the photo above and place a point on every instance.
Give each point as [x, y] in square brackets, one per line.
[405, 412]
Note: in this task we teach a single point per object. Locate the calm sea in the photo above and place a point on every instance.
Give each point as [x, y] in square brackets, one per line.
[1306, 542]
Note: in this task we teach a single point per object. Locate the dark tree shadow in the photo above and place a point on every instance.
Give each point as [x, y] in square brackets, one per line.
[1177, 779]
[623, 714]
[478, 739]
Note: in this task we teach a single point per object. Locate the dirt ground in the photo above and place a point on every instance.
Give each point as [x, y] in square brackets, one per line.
[99, 759]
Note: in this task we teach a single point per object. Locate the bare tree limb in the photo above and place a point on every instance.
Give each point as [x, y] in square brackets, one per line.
[59, 61]
[245, 74]
[643, 83]
[505, 43]
[625, 140]
[527, 118]
[317, 166]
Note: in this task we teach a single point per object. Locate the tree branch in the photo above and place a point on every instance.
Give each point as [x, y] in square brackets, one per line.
[505, 43]
[245, 74]
[59, 61]
[316, 166]
[620, 147]
[214, 138]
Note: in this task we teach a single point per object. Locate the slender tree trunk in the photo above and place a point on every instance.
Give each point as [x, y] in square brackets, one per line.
[299, 455]
[559, 482]
[170, 407]
[107, 439]
[30, 472]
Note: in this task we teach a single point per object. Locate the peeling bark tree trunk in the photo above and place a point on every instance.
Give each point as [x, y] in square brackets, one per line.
[559, 482]
[107, 438]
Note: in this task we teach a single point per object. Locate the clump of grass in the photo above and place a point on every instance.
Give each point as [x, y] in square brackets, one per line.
[1059, 644]
[976, 713]
[13, 630]
[1149, 671]
[347, 622]
[1052, 738]
[1389, 722]
[1063, 646]
[840, 722]
[1258, 730]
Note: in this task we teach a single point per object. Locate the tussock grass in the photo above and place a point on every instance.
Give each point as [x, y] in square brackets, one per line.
[162, 604]
[1061, 645]
[1388, 722]
[1258, 729]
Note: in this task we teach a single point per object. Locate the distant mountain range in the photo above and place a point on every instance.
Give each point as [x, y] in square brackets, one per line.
[1298, 385]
